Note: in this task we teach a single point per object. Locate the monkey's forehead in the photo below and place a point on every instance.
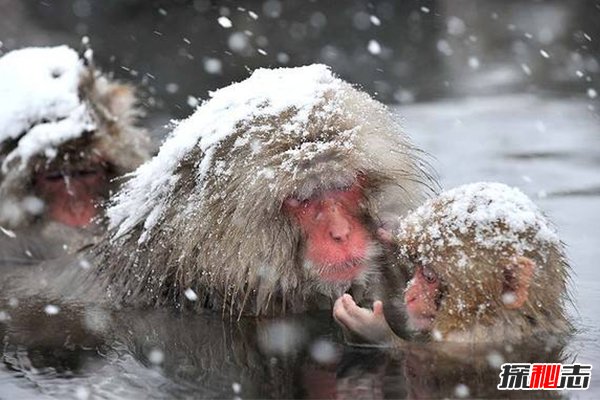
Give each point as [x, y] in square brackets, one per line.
[485, 215]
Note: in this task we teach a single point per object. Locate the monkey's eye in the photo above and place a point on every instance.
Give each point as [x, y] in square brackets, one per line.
[59, 175]
[429, 275]
[85, 172]
[54, 176]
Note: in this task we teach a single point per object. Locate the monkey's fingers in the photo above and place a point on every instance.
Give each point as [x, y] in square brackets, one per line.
[378, 308]
[348, 301]
[337, 307]
[351, 307]
[359, 314]
[340, 314]
[342, 317]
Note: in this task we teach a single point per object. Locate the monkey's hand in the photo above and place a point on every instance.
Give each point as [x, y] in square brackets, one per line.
[370, 326]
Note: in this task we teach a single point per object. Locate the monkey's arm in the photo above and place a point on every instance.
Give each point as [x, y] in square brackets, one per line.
[362, 326]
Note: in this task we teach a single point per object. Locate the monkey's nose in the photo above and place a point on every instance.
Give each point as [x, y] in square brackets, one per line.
[340, 232]
[339, 225]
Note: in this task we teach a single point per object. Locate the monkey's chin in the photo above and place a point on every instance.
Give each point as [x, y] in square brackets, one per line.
[420, 323]
[356, 267]
[341, 273]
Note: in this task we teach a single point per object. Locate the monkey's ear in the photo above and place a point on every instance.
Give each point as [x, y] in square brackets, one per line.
[518, 274]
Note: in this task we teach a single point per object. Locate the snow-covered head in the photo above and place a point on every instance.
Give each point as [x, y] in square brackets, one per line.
[225, 193]
[483, 255]
[59, 118]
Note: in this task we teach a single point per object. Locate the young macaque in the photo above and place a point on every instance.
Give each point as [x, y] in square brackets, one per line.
[65, 132]
[266, 200]
[486, 266]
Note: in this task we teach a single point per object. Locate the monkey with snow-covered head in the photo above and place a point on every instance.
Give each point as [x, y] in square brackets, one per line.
[486, 265]
[66, 131]
[266, 200]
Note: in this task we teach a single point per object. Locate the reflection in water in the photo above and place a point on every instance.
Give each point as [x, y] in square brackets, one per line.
[157, 354]
[423, 371]
[121, 352]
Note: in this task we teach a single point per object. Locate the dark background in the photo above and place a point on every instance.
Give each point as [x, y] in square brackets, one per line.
[428, 48]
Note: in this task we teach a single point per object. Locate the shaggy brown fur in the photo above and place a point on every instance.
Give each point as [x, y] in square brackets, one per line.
[226, 237]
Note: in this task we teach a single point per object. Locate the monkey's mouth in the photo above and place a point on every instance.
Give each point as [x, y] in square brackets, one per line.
[350, 268]
[344, 267]
[346, 271]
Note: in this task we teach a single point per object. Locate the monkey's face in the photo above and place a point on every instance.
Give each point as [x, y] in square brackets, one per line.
[338, 246]
[422, 298]
[71, 192]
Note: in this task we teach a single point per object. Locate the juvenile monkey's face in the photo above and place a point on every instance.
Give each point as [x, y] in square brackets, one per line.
[337, 245]
[422, 298]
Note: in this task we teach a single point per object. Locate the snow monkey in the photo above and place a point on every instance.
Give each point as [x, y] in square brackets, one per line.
[486, 266]
[266, 200]
[65, 132]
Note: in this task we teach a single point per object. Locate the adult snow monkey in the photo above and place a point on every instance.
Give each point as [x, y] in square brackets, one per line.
[266, 200]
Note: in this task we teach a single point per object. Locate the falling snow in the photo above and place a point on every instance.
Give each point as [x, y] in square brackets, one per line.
[225, 22]
[51, 309]
[156, 356]
[374, 47]
[238, 42]
[191, 295]
[375, 21]
[473, 62]
[461, 391]
[192, 101]
[213, 66]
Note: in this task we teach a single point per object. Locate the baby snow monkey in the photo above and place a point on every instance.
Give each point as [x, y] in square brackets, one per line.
[486, 266]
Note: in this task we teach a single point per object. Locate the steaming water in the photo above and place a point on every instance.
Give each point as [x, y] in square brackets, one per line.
[549, 148]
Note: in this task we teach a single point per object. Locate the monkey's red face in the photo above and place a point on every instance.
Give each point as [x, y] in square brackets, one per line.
[422, 298]
[337, 244]
[71, 197]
